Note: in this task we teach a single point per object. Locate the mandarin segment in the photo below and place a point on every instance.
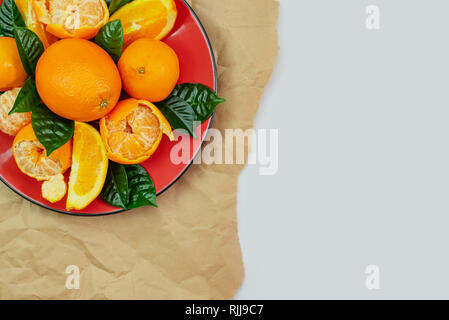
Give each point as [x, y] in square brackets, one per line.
[152, 19]
[72, 18]
[12, 73]
[132, 132]
[11, 124]
[149, 70]
[89, 167]
[54, 189]
[78, 80]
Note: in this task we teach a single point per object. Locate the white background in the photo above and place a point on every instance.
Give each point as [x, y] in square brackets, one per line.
[363, 119]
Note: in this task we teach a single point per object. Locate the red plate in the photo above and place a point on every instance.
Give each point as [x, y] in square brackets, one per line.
[189, 39]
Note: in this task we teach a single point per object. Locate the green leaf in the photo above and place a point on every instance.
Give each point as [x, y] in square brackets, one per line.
[179, 114]
[27, 98]
[141, 188]
[203, 100]
[30, 48]
[117, 4]
[116, 190]
[10, 17]
[128, 187]
[51, 130]
[110, 38]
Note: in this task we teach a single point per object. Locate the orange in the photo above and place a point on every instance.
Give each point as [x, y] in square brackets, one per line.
[89, 167]
[78, 80]
[32, 160]
[149, 70]
[72, 18]
[27, 10]
[132, 132]
[12, 74]
[152, 19]
[11, 124]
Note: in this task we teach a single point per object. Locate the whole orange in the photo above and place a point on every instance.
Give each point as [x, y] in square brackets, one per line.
[12, 74]
[149, 70]
[78, 80]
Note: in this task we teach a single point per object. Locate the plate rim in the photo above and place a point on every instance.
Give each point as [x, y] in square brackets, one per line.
[211, 120]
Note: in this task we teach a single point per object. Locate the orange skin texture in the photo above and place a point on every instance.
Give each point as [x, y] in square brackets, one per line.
[12, 74]
[149, 70]
[57, 30]
[121, 111]
[63, 154]
[78, 80]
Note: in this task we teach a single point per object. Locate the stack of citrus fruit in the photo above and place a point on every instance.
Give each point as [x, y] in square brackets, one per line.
[55, 81]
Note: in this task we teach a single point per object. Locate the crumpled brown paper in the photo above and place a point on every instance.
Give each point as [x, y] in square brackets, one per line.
[186, 249]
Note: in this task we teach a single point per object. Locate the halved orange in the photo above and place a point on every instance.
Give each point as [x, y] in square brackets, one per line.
[27, 10]
[31, 158]
[152, 19]
[133, 131]
[72, 18]
[89, 167]
[11, 124]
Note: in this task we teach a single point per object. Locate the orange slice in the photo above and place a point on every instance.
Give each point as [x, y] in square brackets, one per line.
[152, 19]
[89, 167]
[27, 10]
[11, 124]
[133, 131]
[72, 18]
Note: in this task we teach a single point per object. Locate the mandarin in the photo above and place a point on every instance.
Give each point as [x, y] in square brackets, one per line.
[133, 131]
[12, 73]
[72, 18]
[149, 70]
[31, 156]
